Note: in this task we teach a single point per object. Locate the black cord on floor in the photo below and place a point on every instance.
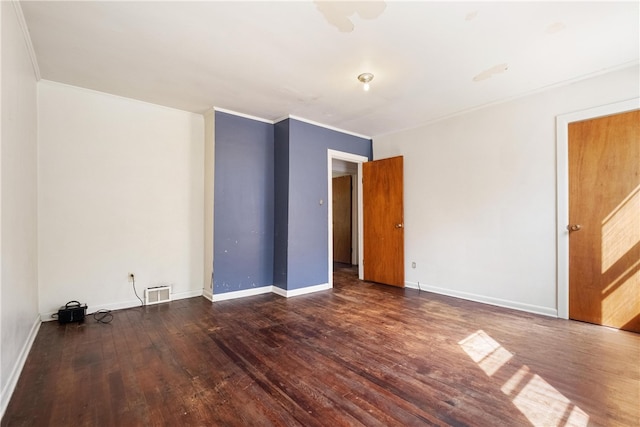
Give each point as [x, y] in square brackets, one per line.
[133, 281]
[103, 316]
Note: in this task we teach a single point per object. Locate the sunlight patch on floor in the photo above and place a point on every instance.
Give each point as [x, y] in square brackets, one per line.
[513, 382]
[537, 394]
[485, 351]
[539, 401]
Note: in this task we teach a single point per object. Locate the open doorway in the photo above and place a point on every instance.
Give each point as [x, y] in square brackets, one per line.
[345, 231]
[345, 225]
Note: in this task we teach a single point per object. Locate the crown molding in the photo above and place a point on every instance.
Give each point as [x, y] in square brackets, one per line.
[322, 125]
[27, 38]
[246, 116]
[526, 94]
[289, 116]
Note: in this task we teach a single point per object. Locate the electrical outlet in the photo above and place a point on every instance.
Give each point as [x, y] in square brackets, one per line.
[413, 264]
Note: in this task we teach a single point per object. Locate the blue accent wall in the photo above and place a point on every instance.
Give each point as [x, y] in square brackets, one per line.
[308, 228]
[281, 219]
[243, 242]
[270, 226]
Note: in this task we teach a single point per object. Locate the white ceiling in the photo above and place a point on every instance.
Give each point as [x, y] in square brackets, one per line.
[273, 59]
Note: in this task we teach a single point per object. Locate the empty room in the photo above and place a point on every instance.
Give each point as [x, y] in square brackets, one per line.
[319, 213]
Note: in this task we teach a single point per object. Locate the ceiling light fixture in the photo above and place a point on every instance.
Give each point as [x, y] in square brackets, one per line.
[365, 78]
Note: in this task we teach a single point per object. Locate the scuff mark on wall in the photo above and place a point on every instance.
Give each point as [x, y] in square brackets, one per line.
[471, 16]
[488, 73]
[554, 28]
[337, 13]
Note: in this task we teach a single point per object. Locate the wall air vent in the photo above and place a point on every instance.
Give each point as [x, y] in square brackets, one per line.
[157, 295]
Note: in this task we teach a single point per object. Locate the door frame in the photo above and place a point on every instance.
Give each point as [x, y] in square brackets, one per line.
[562, 190]
[359, 160]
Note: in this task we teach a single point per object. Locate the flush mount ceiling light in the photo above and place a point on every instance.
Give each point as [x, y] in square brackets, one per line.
[365, 78]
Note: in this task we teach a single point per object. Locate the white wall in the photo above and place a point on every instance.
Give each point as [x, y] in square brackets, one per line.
[121, 188]
[480, 195]
[209, 162]
[19, 318]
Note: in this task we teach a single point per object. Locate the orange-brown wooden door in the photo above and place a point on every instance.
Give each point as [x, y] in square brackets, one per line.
[383, 221]
[342, 219]
[604, 216]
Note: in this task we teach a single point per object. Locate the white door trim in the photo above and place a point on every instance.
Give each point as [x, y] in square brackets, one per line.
[562, 190]
[353, 158]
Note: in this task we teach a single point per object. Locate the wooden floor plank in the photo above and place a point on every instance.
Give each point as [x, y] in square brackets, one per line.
[359, 354]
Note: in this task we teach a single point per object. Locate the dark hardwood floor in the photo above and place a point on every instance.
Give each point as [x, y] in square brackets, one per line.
[360, 354]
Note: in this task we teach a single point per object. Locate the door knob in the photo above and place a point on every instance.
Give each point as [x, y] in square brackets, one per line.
[399, 225]
[574, 227]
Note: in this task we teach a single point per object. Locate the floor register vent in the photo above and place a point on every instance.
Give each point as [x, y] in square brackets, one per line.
[157, 295]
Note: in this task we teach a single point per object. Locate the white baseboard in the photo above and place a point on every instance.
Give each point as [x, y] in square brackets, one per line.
[300, 291]
[485, 299]
[242, 294]
[187, 294]
[265, 290]
[46, 317]
[207, 294]
[12, 381]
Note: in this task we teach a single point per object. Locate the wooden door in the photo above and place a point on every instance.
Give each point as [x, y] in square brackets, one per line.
[342, 219]
[383, 221]
[604, 216]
